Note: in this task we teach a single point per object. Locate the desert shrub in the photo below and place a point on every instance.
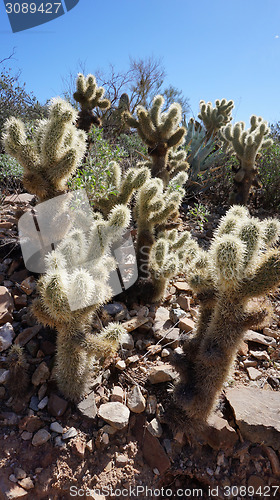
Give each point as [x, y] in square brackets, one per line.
[269, 174]
[11, 173]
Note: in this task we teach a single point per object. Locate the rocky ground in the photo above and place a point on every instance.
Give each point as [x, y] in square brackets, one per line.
[114, 443]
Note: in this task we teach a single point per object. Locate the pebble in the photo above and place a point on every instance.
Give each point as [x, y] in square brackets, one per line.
[176, 314]
[6, 336]
[87, 406]
[41, 437]
[59, 443]
[126, 341]
[161, 373]
[151, 404]
[41, 374]
[20, 473]
[186, 324]
[117, 394]
[4, 375]
[12, 478]
[26, 436]
[121, 460]
[120, 365]
[261, 355]
[252, 336]
[56, 405]
[135, 400]
[155, 428]
[43, 403]
[165, 352]
[26, 483]
[56, 427]
[34, 403]
[115, 414]
[253, 373]
[72, 432]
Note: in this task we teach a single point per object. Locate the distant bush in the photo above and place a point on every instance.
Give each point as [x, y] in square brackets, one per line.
[11, 173]
[269, 174]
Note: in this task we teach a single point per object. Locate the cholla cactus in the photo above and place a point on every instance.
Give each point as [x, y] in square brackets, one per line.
[154, 206]
[18, 378]
[73, 288]
[54, 153]
[89, 96]
[160, 131]
[177, 162]
[122, 186]
[246, 145]
[215, 118]
[239, 266]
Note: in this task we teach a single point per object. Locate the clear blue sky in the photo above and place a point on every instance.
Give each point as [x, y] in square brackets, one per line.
[209, 48]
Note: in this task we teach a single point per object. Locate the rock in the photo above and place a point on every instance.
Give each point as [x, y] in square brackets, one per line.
[20, 301]
[274, 460]
[219, 434]
[6, 306]
[78, 447]
[249, 362]
[20, 473]
[4, 375]
[31, 423]
[12, 478]
[253, 373]
[165, 352]
[43, 403]
[268, 332]
[182, 286]
[70, 433]
[161, 373]
[114, 308]
[154, 349]
[26, 483]
[26, 436]
[28, 285]
[251, 336]
[257, 414]
[33, 405]
[41, 374]
[56, 427]
[155, 428]
[186, 324]
[243, 348]
[162, 321]
[13, 492]
[9, 418]
[27, 334]
[41, 437]
[261, 355]
[121, 460]
[154, 454]
[59, 443]
[56, 405]
[115, 414]
[172, 337]
[6, 336]
[135, 400]
[176, 314]
[151, 405]
[134, 323]
[256, 482]
[88, 407]
[184, 302]
[117, 394]
[121, 365]
[127, 342]
[132, 359]
[108, 429]
[273, 381]
[22, 198]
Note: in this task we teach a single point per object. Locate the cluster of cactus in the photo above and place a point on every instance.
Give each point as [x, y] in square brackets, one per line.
[160, 131]
[89, 96]
[240, 266]
[115, 121]
[246, 144]
[53, 155]
[214, 118]
[75, 285]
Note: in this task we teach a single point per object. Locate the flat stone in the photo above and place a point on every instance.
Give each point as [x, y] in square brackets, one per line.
[162, 321]
[28, 285]
[4, 375]
[127, 342]
[154, 427]
[114, 308]
[161, 373]
[242, 348]
[43, 403]
[176, 314]
[41, 437]
[134, 323]
[117, 394]
[219, 434]
[27, 334]
[56, 427]
[183, 286]
[251, 336]
[271, 333]
[135, 400]
[172, 337]
[87, 406]
[6, 306]
[26, 483]
[115, 414]
[154, 454]
[253, 373]
[22, 198]
[6, 336]
[72, 432]
[121, 365]
[186, 324]
[121, 460]
[250, 362]
[26, 436]
[56, 405]
[261, 355]
[41, 374]
[30, 423]
[184, 302]
[20, 473]
[257, 414]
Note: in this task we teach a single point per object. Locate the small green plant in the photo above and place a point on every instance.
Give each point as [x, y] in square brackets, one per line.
[198, 213]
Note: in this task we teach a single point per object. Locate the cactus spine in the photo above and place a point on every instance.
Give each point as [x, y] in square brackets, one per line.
[239, 266]
[89, 96]
[54, 153]
[160, 131]
[71, 291]
[246, 145]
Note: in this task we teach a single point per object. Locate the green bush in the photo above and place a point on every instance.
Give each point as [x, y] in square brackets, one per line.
[9, 168]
